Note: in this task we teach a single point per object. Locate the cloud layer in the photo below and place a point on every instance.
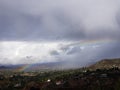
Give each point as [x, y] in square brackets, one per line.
[47, 30]
[59, 19]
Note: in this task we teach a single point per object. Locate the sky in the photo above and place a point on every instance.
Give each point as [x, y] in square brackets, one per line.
[70, 31]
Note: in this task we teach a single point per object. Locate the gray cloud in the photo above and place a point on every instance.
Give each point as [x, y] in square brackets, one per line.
[84, 55]
[58, 20]
[54, 52]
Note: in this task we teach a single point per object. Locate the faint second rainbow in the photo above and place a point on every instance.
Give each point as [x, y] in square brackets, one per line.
[92, 42]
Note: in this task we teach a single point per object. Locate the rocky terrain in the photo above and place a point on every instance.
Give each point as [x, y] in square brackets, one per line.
[106, 64]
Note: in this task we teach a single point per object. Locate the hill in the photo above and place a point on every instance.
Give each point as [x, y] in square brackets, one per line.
[106, 64]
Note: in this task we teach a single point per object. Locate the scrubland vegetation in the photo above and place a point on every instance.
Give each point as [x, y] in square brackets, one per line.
[81, 79]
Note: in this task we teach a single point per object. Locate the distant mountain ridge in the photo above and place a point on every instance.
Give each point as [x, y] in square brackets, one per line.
[33, 67]
[105, 63]
[9, 67]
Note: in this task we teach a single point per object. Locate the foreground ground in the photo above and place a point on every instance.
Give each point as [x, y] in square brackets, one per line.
[79, 79]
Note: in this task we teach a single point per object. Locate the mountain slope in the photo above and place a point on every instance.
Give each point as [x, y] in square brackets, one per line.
[106, 63]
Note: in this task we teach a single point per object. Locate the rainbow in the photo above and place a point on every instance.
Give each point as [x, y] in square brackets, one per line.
[81, 43]
[24, 67]
[92, 42]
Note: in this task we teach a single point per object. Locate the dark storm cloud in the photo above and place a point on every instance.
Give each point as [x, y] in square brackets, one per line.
[54, 52]
[110, 51]
[15, 24]
[58, 20]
